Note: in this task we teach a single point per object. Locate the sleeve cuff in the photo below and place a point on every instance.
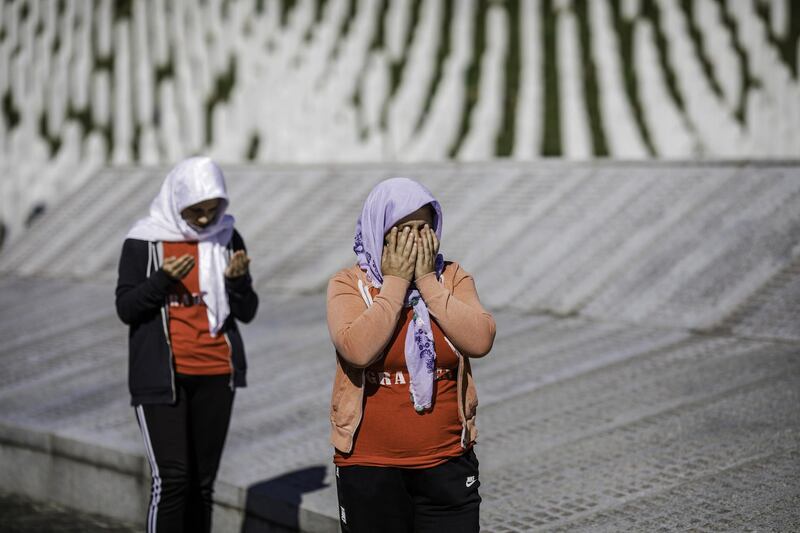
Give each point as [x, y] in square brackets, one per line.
[161, 281]
[429, 285]
[239, 283]
[394, 289]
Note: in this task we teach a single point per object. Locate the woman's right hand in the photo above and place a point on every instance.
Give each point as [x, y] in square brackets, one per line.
[177, 267]
[399, 254]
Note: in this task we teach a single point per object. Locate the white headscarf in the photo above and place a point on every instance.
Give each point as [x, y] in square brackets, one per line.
[192, 181]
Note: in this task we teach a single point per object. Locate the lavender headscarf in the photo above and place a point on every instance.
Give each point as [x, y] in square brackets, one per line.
[388, 202]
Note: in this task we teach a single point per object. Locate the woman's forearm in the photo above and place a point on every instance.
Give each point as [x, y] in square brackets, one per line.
[459, 313]
[361, 333]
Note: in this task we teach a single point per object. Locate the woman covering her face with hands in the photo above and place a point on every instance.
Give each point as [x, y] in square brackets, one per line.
[183, 282]
[405, 323]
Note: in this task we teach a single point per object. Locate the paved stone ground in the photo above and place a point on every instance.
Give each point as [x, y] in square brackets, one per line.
[584, 425]
[679, 412]
[24, 515]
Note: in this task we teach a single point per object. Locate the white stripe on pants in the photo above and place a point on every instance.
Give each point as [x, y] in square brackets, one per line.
[155, 496]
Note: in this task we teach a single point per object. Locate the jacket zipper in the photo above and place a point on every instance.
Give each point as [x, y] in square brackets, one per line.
[461, 408]
[361, 414]
[165, 320]
[229, 252]
[230, 359]
[459, 388]
[462, 412]
[367, 297]
[165, 324]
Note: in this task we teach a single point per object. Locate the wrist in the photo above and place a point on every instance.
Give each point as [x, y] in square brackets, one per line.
[407, 277]
[428, 285]
[161, 281]
[394, 287]
[422, 273]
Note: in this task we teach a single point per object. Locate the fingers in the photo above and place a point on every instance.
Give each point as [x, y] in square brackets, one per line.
[185, 261]
[240, 259]
[420, 253]
[177, 268]
[425, 259]
[434, 242]
[393, 239]
[400, 253]
[409, 246]
[238, 265]
[428, 246]
[237, 268]
[402, 240]
[184, 265]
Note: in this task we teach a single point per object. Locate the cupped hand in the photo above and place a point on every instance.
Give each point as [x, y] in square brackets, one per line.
[238, 265]
[427, 249]
[399, 254]
[178, 267]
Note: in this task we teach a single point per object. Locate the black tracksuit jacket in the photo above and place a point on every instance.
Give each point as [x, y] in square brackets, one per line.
[141, 298]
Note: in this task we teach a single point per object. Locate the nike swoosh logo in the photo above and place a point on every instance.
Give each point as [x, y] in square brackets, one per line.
[471, 482]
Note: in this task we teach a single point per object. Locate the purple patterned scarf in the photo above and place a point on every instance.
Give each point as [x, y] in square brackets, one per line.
[388, 202]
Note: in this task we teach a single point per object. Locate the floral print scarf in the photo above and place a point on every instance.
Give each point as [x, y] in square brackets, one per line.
[388, 202]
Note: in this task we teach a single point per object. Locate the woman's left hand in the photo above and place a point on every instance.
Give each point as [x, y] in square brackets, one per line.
[238, 265]
[427, 249]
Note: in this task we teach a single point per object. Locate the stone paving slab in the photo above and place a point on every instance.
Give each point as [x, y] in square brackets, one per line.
[714, 502]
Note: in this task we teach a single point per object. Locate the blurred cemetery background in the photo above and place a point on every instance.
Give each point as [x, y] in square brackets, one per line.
[88, 83]
[621, 177]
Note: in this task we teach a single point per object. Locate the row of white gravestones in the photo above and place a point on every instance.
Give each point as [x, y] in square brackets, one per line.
[292, 96]
[576, 138]
[294, 84]
[720, 48]
[442, 124]
[487, 115]
[409, 98]
[143, 62]
[671, 132]
[718, 131]
[774, 110]
[528, 131]
[623, 137]
[191, 82]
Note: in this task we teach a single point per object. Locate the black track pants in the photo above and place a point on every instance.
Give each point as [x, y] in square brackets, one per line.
[183, 443]
[441, 499]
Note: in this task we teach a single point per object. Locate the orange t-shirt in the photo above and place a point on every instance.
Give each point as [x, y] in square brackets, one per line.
[195, 350]
[391, 432]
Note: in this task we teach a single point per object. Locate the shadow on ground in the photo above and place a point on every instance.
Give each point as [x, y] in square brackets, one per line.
[278, 500]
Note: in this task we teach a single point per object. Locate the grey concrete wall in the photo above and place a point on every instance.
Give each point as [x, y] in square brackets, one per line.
[671, 244]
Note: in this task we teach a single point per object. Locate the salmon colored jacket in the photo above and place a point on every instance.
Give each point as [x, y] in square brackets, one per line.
[361, 333]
